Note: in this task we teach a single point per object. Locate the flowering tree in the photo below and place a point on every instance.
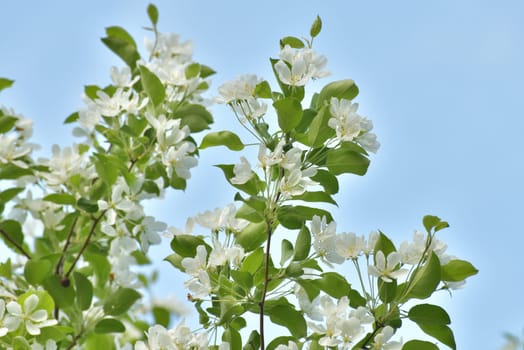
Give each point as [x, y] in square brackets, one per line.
[78, 229]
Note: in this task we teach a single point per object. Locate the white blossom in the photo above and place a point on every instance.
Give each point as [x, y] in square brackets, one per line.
[386, 269]
[32, 318]
[242, 171]
[297, 66]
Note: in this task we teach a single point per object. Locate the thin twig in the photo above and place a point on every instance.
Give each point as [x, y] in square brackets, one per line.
[60, 264]
[84, 246]
[266, 283]
[15, 243]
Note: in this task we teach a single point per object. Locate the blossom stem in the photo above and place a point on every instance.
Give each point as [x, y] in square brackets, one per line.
[15, 243]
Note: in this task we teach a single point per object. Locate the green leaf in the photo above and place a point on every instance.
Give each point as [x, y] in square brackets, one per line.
[6, 269]
[195, 116]
[243, 278]
[428, 314]
[73, 117]
[108, 167]
[434, 223]
[62, 291]
[186, 245]
[222, 138]
[457, 270]
[252, 236]
[84, 290]
[20, 343]
[387, 290]
[152, 12]
[12, 234]
[87, 205]
[286, 251]
[12, 172]
[286, 315]
[319, 131]
[152, 86]
[302, 244]
[121, 33]
[97, 341]
[110, 325]
[253, 262]
[316, 27]
[292, 41]
[293, 217]
[232, 336]
[120, 301]
[7, 195]
[425, 280]
[384, 244]
[253, 342]
[263, 90]
[333, 284]
[5, 83]
[35, 271]
[342, 89]
[419, 345]
[206, 71]
[442, 333]
[162, 316]
[346, 160]
[326, 180]
[60, 198]
[6, 123]
[289, 112]
[315, 197]
[120, 44]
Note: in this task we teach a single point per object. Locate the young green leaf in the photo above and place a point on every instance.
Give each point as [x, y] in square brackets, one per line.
[289, 112]
[316, 27]
[457, 270]
[152, 86]
[5, 83]
[120, 301]
[222, 138]
[342, 89]
[303, 244]
[84, 290]
[419, 345]
[152, 13]
[109, 325]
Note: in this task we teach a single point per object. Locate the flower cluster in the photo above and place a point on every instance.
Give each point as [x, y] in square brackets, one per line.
[297, 66]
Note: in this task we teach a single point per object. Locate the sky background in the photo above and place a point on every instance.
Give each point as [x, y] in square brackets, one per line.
[442, 82]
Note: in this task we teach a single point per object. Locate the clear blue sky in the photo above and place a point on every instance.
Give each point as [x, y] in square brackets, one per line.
[442, 82]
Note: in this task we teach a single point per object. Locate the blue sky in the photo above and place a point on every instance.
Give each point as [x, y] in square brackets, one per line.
[442, 82]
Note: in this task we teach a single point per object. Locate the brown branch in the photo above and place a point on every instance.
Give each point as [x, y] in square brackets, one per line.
[60, 264]
[84, 246]
[15, 243]
[262, 302]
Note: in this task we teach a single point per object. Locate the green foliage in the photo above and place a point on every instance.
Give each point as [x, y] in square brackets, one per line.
[222, 138]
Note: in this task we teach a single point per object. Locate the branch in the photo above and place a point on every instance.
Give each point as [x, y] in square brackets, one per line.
[60, 264]
[15, 243]
[266, 283]
[84, 246]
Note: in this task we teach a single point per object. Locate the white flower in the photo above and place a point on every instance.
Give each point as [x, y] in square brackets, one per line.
[242, 88]
[349, 246]
[199, 286]
[296, 182]
[169, 47]
[168, 131]
[221, 219]
[180, 160]
[290, 346]
[157, 338]
[242, 171]
[350, 330]
[66, 163]
[387, 270]
[325, 240]
[149, 230]
[123, 77]
[194, 265]
[382, 340]
[350, 126]
[310, 308]
[274, 157]
[33, 319]
[3, 328]
[249, 109]
[297, 66]
[121, 101]
[49, 345]
[219, 256]
[11, 150]
[121, 200]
